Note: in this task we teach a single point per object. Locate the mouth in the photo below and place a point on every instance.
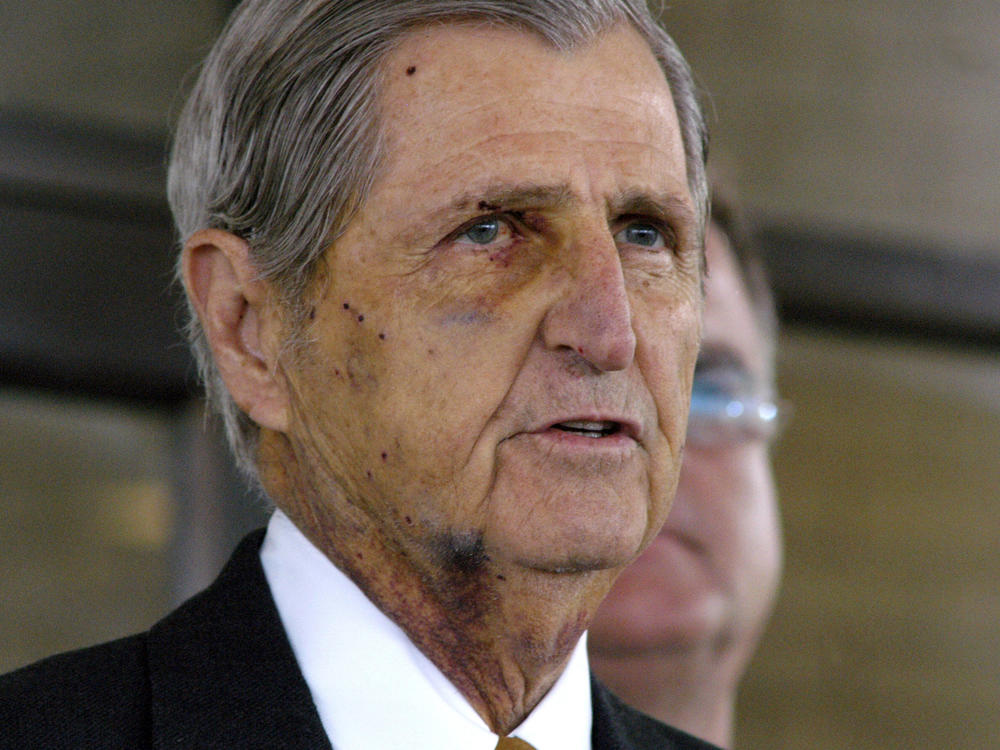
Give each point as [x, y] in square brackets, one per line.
[599, 428]
[590, 429]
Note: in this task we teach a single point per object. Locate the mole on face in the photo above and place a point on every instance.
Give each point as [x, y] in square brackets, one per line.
[411, 70]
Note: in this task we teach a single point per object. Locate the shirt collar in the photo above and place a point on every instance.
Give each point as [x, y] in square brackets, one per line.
[372, 687]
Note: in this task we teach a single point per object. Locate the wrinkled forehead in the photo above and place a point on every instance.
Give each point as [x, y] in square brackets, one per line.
[460, 101]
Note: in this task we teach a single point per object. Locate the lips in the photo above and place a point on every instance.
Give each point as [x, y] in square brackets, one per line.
[593, 426]
[588, 428]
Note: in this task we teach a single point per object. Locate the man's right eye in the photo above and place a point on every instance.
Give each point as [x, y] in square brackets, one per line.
[485, 232]
[482, 232]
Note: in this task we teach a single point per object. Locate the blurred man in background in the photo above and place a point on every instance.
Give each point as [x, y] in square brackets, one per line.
[674, 636]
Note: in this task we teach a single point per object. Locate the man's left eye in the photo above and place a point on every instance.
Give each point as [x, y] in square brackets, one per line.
[641, 234]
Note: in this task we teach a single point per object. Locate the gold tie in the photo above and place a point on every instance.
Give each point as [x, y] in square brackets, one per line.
[513, 743]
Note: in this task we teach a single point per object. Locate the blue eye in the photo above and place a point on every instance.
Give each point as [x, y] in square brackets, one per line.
[482, 232]
[641, 234]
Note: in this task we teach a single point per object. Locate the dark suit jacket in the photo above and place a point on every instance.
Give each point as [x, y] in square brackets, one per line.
[216, 673]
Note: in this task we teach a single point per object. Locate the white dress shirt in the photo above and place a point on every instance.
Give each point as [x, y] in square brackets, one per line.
[372, 688]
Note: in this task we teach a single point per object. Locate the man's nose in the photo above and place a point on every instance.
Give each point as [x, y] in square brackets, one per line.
[593, 316]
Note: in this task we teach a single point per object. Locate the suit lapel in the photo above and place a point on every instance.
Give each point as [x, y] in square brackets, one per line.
[222, 672]
[619, 727]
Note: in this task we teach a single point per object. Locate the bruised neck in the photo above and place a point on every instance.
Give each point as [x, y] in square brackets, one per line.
[501, 633]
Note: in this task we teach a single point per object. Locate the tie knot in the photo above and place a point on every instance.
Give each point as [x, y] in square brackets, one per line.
[513, 743]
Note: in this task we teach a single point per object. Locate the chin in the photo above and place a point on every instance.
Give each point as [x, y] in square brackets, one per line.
[578, 552]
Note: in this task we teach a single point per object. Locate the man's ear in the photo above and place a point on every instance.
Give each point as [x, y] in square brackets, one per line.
[234, 307]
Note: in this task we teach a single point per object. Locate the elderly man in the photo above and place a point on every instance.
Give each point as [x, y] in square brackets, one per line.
[445, 260]
[674, 635]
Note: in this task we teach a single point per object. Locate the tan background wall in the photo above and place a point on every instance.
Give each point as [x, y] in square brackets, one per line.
[878, 115]
[885, 635]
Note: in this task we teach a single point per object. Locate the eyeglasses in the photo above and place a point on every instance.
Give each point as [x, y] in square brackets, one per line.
[729, 410]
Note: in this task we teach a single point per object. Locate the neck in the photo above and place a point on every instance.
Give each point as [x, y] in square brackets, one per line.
[690, 688]
[502, 634]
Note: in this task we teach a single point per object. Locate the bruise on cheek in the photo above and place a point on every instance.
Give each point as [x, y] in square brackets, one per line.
[359, 371]
[477, 310]
[464, 553]
[467, 317]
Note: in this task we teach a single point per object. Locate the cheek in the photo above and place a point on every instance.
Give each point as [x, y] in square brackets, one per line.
[667, 347]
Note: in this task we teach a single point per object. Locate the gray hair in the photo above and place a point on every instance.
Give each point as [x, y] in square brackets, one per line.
[279, 141]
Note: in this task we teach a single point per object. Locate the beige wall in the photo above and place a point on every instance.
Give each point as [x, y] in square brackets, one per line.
[885, 635]
[102, 62]
[884, 116]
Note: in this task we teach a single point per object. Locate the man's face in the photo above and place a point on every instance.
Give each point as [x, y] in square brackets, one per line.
[711, 573]
[503, 339]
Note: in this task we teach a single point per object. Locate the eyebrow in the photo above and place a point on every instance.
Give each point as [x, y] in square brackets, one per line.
[663, 206]
[503, 196]
[667, 207]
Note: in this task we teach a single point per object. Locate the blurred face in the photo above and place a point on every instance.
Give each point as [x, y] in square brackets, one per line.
[712, 571]
[503, 340]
